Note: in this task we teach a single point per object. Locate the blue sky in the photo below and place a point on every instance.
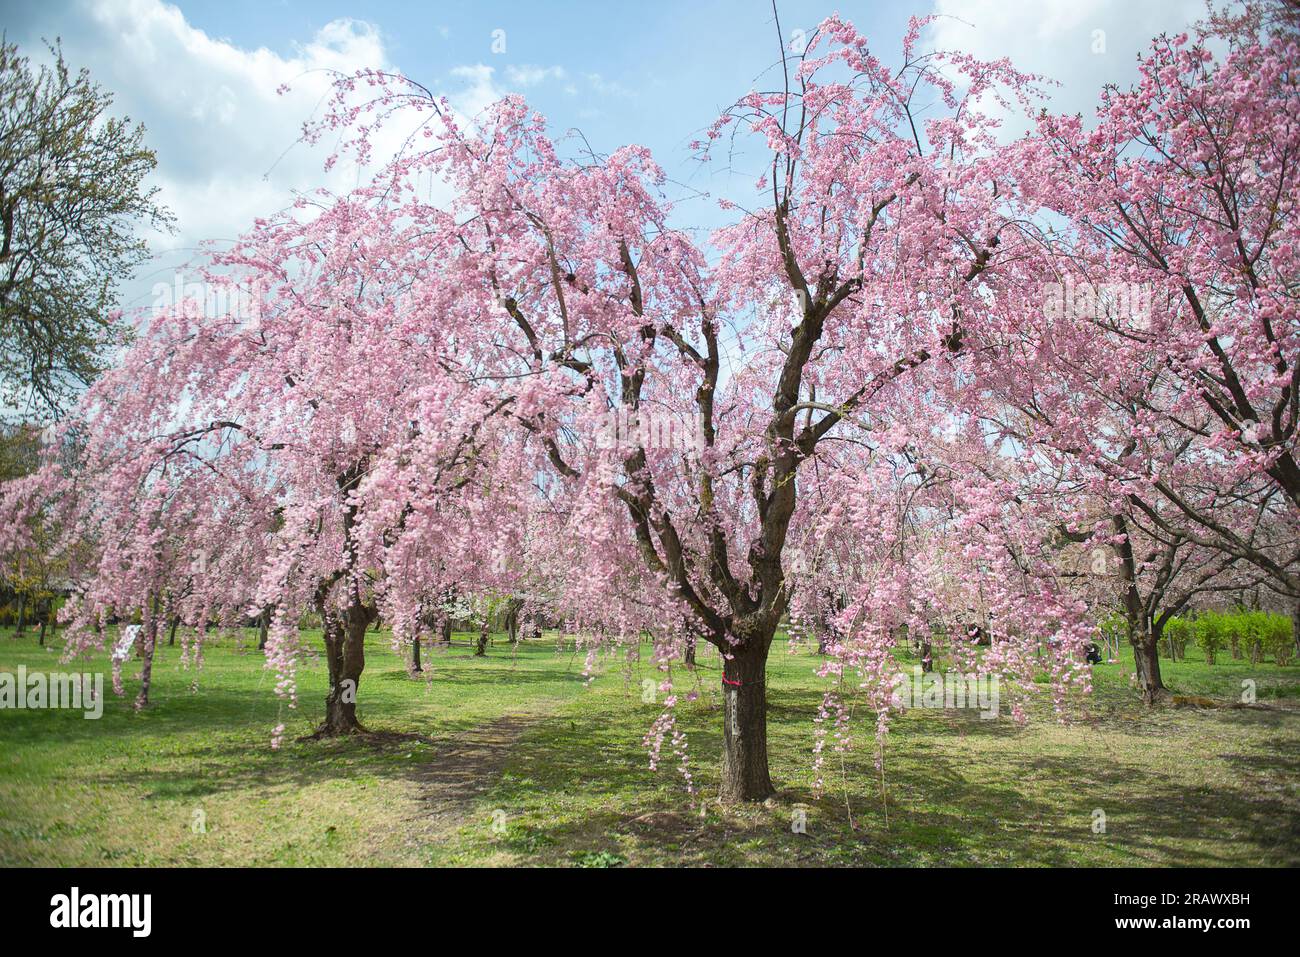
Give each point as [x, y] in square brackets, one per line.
[201, 75]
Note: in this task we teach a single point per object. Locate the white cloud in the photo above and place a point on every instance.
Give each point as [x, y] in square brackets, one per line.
[480, 91]
[1082, 44]
[608, 87]
[528, 75]
[226, 142]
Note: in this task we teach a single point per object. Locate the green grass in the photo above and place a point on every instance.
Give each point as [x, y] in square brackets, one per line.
[516, 759]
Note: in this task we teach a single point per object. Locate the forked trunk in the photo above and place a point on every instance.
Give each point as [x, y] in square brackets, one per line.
[345, 652]
[744, 730]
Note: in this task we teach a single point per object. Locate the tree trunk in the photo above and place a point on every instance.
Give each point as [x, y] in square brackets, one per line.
[345, 653]
[146, 651]
[690, 650]
[927, 658]
[444, 630]
[22, 614]
[1142, 636]
[45, 621]
[744, 729]
[416, 666]
[512, 623]
[263, 626]
[1147, 659]
[1295, 626]
[171, 637]
[483, 633]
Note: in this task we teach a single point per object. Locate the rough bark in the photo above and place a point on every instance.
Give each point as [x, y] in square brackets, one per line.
[1141, 635]
[484, 632]
[745, 774]
[1147, 659]
[345, 654]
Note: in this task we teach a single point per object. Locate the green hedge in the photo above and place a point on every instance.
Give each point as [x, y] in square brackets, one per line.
[1257, 633]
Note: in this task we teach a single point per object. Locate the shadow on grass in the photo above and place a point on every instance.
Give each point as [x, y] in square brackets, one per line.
[581, 783]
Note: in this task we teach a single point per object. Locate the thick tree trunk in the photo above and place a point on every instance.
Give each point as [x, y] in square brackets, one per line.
[171, 636]
[345, 653]
[416, 666]
[484, 632]
[444, 630]
[1147, 659]
[263, 626]
[690, 651]
[22, 614]
[744, 730]
[45, 622]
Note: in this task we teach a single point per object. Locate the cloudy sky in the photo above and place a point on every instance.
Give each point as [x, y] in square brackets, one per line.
[202, 76]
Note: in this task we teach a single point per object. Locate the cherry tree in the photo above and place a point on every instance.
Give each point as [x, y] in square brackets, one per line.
[221, 458]
[1163, 347]
[879, 246]
[1175, 309]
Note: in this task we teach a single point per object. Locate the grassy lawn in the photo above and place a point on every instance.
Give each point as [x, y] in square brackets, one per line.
[516, 759]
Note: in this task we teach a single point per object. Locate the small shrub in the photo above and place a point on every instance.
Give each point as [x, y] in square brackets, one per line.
[1280, 639]
[1178, 631]
[1211, 634]
[1255, 628]
[1234, 630]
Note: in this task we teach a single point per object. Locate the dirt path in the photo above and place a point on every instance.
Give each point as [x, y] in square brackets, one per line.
[465, 766]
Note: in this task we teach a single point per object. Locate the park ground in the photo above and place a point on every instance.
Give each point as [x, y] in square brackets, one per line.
[517, 758]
